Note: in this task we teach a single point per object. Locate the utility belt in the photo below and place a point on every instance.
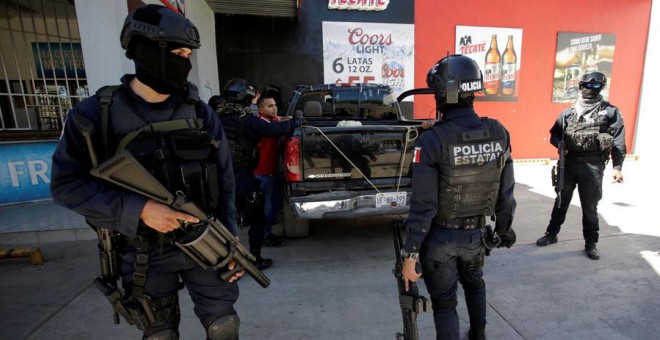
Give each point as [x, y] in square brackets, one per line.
[153, 237]
[587, 158]
[466, 223]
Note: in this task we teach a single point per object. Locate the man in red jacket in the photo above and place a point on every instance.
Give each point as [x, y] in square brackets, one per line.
[266, 171]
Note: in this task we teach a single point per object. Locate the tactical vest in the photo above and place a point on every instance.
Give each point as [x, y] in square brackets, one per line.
[244, 152]
[470, 170]
[590, 136]
[175, 149]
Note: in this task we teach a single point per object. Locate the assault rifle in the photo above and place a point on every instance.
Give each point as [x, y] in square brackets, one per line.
[560, 172]
[209, 242]
[410, 301]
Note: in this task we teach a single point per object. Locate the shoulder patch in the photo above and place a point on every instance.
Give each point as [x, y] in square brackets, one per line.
[417, 154]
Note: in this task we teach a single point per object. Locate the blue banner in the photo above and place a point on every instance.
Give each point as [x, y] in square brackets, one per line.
[25, 171]
[55, 60]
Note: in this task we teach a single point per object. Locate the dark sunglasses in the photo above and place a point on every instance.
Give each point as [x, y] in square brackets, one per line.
[592, 85]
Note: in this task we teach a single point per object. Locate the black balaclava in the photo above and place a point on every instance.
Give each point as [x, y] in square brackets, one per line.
[465, 100]
[590, 93]
[158, 68]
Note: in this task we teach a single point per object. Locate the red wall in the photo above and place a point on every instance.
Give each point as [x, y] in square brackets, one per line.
[530, 118]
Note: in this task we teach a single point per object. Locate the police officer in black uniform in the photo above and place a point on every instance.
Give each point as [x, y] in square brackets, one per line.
[157, 115]
[244, 131]
[462, 176]
[591, 130]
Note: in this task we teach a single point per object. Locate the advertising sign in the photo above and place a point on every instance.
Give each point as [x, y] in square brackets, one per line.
[359, 5]
[498, 52]
[25, 171]
[577, 54]
[358, 52]
[58, 60]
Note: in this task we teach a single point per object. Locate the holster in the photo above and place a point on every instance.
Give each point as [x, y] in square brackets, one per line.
[139, 311]
[490, 239]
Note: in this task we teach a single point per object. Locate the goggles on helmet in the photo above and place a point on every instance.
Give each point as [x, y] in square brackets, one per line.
[594, 77]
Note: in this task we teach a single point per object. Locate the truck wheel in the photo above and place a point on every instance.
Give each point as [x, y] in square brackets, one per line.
[293, 226]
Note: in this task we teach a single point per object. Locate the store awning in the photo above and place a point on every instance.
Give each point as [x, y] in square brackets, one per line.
[273, 8]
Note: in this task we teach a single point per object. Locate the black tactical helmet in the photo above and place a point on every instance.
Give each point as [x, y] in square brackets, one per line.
[159, 24]
[238, 91]
[454, 76]
[594, 77]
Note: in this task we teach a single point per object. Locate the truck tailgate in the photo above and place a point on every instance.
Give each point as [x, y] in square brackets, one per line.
[374, 152]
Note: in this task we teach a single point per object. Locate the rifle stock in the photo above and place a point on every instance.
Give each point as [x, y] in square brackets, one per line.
[410, 302]
[211, 247]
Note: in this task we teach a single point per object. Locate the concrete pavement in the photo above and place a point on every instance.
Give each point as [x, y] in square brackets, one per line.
[337, 283]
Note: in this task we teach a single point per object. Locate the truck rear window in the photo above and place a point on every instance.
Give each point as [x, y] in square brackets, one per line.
[353, 103]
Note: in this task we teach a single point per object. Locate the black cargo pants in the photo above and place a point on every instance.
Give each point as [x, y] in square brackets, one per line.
[588, 177]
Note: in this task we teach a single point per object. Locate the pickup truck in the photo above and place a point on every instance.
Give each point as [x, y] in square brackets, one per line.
[351, 157]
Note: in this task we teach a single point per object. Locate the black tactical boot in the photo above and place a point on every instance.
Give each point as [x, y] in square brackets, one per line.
[546, 240]
[477, 333]
[592, 252]
[261, 263]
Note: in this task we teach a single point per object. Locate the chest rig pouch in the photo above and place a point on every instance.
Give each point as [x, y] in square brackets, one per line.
[589, 134]
[179, 159]
[179, 153]
[472, 163]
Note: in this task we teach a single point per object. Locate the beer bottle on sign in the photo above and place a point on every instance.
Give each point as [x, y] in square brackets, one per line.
[509, 60]
[492, 68]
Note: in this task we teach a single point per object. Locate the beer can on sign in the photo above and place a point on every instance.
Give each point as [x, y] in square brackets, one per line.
[572, 80]
[393, 74]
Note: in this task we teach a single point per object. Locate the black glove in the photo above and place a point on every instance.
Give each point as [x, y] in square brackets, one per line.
[508, 238]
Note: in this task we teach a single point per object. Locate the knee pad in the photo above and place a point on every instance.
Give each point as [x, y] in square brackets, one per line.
[443, 304]
[165, 334]
[224, 328]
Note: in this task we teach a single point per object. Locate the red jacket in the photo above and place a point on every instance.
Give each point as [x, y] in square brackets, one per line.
[267, 152]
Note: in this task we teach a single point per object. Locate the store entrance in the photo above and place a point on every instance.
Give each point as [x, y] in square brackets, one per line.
[42, 72]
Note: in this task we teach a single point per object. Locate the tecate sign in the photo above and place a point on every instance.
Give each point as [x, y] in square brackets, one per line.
[359, 5]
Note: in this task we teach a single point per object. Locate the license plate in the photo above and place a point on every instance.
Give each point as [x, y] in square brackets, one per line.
[390, 199]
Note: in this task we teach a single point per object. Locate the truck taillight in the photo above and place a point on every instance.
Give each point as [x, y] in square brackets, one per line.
[292, 160]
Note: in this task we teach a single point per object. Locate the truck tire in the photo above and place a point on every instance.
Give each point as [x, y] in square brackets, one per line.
[293, 226]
